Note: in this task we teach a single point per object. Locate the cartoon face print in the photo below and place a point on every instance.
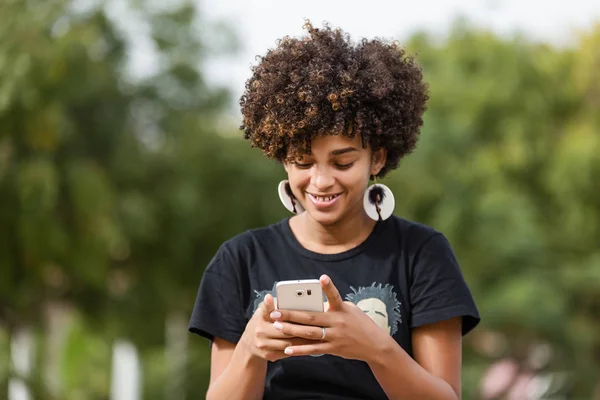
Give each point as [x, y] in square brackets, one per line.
[379, 303]
[375, 309]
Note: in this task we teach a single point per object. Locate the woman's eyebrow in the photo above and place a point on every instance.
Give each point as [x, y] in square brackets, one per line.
[343, 151]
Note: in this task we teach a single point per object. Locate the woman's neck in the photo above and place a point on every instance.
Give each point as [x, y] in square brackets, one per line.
[344, 235]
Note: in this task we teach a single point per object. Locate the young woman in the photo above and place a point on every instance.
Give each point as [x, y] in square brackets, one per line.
[336, 114]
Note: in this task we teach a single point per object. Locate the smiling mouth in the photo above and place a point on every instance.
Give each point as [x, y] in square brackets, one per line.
[323, 199]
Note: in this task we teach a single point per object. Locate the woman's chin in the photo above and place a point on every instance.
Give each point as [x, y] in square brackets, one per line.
[324, 218]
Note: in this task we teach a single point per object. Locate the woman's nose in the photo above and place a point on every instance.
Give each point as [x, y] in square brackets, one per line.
[322, 179]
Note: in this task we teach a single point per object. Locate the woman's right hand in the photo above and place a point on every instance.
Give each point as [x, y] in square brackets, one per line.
[261, 337]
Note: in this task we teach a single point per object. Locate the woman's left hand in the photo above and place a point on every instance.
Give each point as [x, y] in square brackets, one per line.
[349, 332]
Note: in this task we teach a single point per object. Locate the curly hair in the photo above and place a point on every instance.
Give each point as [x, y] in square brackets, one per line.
[324, 84]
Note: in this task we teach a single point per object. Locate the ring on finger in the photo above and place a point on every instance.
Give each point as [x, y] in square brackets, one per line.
[324, 333]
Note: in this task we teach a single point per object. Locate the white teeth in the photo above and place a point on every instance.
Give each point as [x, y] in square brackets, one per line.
[325, 199]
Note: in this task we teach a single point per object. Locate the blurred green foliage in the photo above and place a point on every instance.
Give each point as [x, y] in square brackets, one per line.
[116, 192]
[508, 168]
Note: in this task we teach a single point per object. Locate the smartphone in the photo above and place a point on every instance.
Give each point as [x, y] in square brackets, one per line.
[301, 295]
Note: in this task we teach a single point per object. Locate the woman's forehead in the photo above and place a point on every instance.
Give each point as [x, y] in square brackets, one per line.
[373, 304]
[335, 145]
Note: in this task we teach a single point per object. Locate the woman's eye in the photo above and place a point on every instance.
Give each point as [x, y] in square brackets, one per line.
[303, 166]
[343, 166]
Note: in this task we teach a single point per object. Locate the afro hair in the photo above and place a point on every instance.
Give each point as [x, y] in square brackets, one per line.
[323, 84]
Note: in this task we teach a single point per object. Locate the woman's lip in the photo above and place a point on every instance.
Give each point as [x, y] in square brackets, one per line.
[323, 204]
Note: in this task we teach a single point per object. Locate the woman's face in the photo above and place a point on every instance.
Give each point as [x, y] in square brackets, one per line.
[331, 181]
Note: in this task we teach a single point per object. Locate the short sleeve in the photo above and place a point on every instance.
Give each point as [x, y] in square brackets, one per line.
[438, 290]
[218, 310]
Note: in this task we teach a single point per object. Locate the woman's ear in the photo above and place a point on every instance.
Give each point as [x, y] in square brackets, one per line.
[378, 161]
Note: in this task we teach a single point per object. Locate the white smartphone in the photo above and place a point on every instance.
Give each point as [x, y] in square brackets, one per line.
[301, 295]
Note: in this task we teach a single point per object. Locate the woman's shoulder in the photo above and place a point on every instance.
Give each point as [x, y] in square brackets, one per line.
[415, 232]
[418, 238]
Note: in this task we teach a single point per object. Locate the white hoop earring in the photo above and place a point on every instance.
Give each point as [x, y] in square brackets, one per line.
[379, 202]
[288, 199]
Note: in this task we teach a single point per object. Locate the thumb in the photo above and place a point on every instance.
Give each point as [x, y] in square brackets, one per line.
[267, 306]
[333, 295]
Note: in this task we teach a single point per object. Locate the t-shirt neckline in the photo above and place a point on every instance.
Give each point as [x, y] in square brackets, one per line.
[295, 244]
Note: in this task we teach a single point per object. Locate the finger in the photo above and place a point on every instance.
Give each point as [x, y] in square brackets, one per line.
[307, 349]
[333, 295]
[267, 306]
[269, 331]
[270, 349]
[311, 333]
[303, 317]
[270, 345]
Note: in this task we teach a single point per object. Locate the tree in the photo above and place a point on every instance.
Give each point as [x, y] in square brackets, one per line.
[505, 168]
[110, 204]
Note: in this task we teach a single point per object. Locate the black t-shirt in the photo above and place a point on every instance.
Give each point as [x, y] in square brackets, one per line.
[404, 275]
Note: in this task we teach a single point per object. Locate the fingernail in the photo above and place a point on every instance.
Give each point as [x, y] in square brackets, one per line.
[275, 314]
[288, 351]
[326, 280]
[278, 325]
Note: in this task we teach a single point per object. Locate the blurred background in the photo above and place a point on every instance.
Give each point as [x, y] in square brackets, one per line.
[122, 170]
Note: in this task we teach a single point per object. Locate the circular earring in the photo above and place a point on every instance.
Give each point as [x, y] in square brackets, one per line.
[288, 199]
[379, 201]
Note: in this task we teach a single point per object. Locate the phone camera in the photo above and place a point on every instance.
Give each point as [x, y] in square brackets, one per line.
[299, 293]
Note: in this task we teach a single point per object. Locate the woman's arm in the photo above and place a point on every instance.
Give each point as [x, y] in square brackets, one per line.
[238, 371]
[235, 373]
[435, 373]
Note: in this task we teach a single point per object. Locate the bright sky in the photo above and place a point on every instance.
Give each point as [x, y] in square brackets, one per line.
[260, 23]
